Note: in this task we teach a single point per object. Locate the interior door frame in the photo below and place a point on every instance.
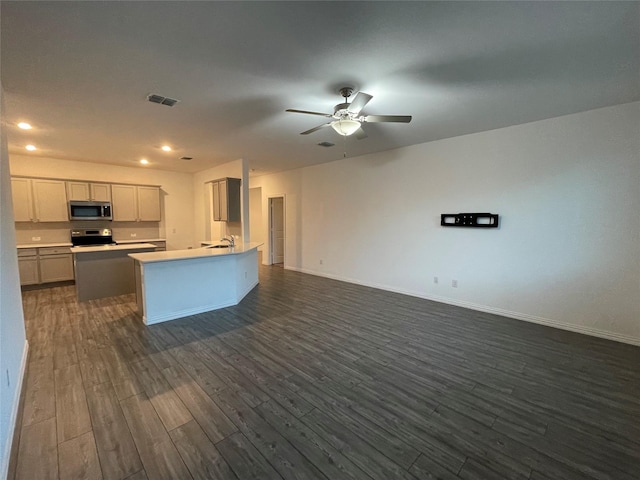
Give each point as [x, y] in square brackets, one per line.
[270, 228]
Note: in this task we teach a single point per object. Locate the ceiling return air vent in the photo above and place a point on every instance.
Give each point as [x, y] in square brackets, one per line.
[170, 102]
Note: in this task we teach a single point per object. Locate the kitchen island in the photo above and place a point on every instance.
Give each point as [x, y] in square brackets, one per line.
[180, 283]
[105, 270]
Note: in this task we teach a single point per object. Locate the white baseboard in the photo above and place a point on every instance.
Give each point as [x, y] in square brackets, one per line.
[6, 455]
[594, 332]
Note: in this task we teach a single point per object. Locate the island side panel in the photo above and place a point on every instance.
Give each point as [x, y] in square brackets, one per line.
[246, 274]
[104, 274]
[139, 288]
[180, 288]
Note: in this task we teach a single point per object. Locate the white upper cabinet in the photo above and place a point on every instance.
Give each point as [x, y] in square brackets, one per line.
[97, 192]
[50, 200]
[132, 203]
[22, 200]
[46, 200]
[39, 200]
[123, 203]
[148, 204]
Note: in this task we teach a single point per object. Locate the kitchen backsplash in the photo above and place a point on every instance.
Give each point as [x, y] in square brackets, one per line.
[59, 232]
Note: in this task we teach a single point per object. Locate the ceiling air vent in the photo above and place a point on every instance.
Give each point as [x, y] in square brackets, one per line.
[186, 158]
[326, 144]
[170, 102]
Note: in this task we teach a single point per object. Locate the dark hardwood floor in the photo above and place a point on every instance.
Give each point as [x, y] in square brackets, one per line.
[310, 378]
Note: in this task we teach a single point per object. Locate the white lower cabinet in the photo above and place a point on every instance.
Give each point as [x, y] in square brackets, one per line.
[56, 268]
[45, 265]
[28, 267]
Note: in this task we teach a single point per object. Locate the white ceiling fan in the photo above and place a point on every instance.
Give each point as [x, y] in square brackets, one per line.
[346, 116]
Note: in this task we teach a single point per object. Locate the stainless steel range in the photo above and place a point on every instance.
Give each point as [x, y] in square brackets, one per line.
[92, 237]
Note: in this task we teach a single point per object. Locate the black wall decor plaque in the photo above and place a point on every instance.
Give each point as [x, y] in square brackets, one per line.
[473, 220]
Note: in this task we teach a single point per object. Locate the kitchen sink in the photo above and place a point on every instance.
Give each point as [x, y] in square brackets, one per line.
[217, 246]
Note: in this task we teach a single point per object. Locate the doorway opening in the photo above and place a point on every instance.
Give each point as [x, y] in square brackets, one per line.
[276, 230]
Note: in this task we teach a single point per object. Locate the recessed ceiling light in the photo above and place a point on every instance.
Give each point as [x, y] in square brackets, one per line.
[31, 148]
[24, 126]
[166, 148]
[144, 161]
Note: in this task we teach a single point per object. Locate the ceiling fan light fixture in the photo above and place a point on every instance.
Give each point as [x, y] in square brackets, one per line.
[345, 127]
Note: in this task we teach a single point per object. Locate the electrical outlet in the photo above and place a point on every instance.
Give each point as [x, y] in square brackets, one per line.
[435, 279]
[8, 380]
[35, 239]
[174, 230]
[454, 283]
[134, 234]
[321, 262]
[245, 274]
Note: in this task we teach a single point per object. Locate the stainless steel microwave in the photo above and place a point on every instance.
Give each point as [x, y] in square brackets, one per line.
[81, 210]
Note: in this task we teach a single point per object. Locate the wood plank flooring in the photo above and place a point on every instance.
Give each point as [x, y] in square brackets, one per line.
[311, 378]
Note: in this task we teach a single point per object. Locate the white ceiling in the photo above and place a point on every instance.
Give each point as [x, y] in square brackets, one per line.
[80, 73]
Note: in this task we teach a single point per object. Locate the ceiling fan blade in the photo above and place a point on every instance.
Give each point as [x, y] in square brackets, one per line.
[360, 134]
[387, 118]
[315, 128]
[309, 113]
[359, 102]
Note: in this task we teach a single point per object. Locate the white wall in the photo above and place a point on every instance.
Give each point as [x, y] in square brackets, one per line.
[178, 199]
[13, 343]
[255, 216]
[567, 190]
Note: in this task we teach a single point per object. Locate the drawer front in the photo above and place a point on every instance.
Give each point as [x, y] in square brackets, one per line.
[53, 250]
[27, 252]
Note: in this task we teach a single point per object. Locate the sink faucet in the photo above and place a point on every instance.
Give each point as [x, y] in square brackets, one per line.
[229, 239]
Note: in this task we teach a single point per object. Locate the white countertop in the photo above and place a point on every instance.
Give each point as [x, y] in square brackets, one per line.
[140, 240]
[112, 248]
[150, 257]
[44, 245]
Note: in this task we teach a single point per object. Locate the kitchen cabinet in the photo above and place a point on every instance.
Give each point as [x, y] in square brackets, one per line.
[135, 203]
[148, 204]
[95, 192]
[22, 199]
[226, 199]
[39, 200]
[28, 266]
[56, 264]
[45, 265]
[160, 245]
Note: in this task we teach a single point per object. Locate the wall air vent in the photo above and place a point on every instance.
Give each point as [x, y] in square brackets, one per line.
[326, 144]
[170, 102]
[186, 158]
